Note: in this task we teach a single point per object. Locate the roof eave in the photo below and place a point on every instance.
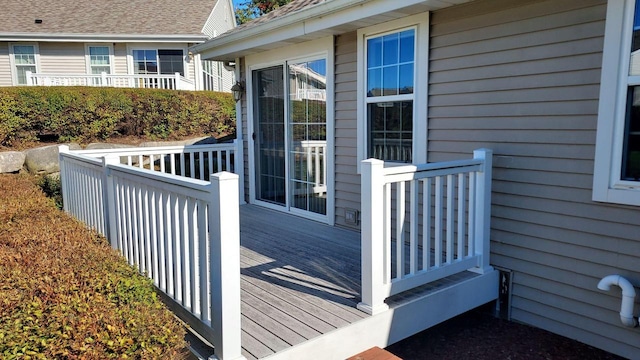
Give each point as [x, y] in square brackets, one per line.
[52, 37]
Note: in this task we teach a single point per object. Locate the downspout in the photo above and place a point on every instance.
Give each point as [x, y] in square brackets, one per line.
[628, 297]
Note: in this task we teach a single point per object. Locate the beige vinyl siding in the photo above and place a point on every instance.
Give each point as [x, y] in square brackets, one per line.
[522, 78]
[120, 58]
[5, 65]
[62, 58]
[347, 181]
[220, 20]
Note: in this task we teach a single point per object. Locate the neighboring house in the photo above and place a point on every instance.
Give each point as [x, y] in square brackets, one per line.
[125, 43]
[546, 84]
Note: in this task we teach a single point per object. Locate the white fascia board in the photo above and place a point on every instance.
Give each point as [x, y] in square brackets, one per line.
[307, 21]
[101, 37]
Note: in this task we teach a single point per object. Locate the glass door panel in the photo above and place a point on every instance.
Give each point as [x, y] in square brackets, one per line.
[308, 136]
[270, 135]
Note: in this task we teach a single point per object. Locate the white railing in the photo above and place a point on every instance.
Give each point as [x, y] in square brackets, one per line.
[315, 153]
[183, 233]
[422, 223]
[147, 81]
[391, 149]
[310, 94]
[192, 161]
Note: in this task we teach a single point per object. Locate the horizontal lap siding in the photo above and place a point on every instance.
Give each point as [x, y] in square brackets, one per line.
[347, 179]
[62, 58]
[5, 65]
[522, 78]
[120, 58]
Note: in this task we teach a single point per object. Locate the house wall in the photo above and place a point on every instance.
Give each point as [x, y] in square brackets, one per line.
[522, 78]
[120, 58]
[62, 58]
[220, 20]
[5, 66]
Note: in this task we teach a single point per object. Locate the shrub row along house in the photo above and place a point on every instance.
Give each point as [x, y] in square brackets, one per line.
[116, 43]
[360, 115]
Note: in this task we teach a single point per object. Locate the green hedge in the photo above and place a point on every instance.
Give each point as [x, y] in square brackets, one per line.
[65, 294]
[86, 114]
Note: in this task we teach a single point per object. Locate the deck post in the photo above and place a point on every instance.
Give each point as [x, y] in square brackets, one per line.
[178, 85]
[372, 237]
[108, 200]
[224, 255]
[29, 77]
[483, 212]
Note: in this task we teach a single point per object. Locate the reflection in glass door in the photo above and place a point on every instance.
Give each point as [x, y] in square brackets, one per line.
[269, 135]
[308, 136]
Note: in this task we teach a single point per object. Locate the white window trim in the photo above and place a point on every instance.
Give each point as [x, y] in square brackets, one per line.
[12, 63]
[156, 47]
[87, 56]
[420, 90]
[320, 48]
[607, 183]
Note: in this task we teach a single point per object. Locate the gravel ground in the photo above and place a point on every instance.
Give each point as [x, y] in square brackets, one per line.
[478, 335]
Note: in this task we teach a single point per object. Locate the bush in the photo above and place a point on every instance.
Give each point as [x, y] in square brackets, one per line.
[51, 186]
[86, 114]
[64, 293]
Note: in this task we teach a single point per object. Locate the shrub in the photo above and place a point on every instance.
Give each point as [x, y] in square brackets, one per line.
[86, 114]
[64, 293]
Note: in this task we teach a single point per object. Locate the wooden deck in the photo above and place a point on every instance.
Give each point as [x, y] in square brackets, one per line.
[299, 279]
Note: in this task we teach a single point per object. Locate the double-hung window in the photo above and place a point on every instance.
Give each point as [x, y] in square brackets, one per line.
[24, 59]
[99, 59]
[392, 79]
[617, 161]
[161, 61]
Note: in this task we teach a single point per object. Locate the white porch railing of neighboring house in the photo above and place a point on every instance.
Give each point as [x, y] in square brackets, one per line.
[315, 158]
[181, 232]
[395, 149]
[310, 94]
[147, 81]
[422, 223]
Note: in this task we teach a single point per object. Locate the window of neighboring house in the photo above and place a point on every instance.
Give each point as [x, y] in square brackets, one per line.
[158, 61]
[392, 90]
[24, 59]
[99, 59]
[617, 162]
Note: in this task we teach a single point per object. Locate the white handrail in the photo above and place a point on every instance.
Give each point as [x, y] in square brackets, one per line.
[155, 81]
[422, 223]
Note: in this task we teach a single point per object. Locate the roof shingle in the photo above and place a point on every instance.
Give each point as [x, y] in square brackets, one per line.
[135, 17]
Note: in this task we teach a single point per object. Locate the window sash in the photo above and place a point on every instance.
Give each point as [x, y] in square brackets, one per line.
[99, 59]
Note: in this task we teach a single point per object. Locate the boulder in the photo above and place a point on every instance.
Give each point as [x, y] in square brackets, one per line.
[101, 146]
[199, 141]
[11, 161]
[44, 160]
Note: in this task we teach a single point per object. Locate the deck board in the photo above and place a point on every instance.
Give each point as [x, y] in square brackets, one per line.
[299, 279]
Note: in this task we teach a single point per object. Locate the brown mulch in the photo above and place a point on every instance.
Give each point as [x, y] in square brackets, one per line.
[478, 335]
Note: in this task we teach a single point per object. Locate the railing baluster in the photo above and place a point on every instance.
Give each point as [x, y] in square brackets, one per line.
[178, 219]
[169, 240]
[426, 224]
[438, 224]
[462, 187]
[413, 237]
[192, 165]
[400, 218]
[201, 293]
[182, 165]
[201, 163]
[210, 158]
[155, 223]
[194, 286]
[219, 161]
[471, 229]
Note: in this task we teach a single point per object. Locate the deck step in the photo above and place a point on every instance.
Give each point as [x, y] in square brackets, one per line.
[375, 353]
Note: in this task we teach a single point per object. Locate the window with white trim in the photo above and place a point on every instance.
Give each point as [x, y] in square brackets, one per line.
[24, 59]
[617, 162]
[161, 61]
[99, 59]
[392, 93]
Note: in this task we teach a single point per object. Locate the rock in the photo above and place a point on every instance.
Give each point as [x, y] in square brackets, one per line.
[11, 161]
[44, 160]
[199, 141]
[100, 146]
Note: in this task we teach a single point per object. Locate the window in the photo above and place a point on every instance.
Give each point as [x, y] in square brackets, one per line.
[99, 59]
[617, 162]
[390, 69]
[392, 78]
[158, 61]
[24, 59]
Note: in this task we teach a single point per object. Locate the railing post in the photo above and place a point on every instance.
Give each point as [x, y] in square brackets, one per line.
[62, 149]
[178, 85]
[224, 255]
[483, 211]
[108, 200]
[29, 76]
[372, 237]
[103, 79]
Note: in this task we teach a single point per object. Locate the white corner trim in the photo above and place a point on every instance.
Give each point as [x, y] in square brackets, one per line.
[607, 185]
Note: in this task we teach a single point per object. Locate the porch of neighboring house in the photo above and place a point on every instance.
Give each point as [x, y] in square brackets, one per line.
[303, 288]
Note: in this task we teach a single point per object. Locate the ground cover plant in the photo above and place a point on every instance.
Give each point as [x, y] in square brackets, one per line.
[85, 114]
[64, 293]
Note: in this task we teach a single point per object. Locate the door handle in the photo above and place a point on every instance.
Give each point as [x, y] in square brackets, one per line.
[253, 136]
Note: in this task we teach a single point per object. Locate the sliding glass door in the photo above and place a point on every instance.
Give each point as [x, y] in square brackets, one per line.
[290, 137]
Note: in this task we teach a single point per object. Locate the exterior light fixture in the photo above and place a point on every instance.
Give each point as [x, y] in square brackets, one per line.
[237, 89]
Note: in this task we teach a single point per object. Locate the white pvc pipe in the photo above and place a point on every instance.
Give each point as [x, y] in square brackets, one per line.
[628, 297]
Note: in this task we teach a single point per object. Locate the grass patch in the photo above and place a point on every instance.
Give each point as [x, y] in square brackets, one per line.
[64, 293]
